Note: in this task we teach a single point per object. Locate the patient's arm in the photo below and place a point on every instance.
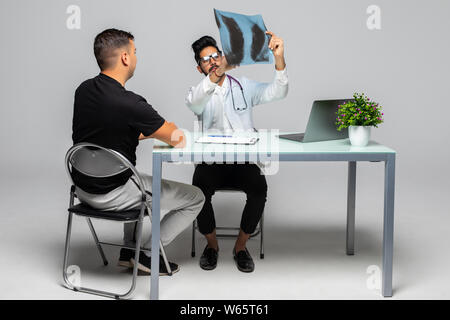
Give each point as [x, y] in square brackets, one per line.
[168, 133]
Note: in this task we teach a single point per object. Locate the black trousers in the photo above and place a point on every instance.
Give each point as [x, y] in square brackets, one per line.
[245, 177]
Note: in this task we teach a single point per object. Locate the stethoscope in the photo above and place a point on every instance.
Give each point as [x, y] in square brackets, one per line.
[232, 94]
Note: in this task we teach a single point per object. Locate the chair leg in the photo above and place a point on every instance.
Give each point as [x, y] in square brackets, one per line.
[161, 247]
[66, 253]
[261, 226]
[69, 285]
[99, 247]
[135, 270]
[166, 262]
[136, 256]
[193, 240]
[94, 291]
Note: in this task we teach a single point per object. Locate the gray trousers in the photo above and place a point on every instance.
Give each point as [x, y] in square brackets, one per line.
[180, 205]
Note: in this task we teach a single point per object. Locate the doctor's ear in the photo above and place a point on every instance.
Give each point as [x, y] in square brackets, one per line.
[200, 69]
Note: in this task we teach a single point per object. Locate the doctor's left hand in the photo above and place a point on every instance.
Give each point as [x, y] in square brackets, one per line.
[276, 44]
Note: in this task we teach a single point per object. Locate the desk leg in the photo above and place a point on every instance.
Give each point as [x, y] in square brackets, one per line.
[156, 197]
[351, 190]
[388, 225]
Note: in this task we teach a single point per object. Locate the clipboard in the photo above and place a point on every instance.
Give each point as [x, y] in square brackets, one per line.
[219, 139]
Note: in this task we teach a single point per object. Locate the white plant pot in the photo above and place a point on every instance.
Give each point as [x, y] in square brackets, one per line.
[359, 135]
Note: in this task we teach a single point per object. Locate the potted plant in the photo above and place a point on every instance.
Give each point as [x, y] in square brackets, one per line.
[359, 115]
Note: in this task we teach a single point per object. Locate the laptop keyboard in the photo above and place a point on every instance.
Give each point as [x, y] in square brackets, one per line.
[294, 136]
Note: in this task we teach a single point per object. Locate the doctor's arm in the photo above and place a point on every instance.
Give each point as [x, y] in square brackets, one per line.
[198, 96]
[268, 92]
[278, 88]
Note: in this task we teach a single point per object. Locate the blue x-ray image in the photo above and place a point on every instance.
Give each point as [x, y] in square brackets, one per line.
[243, 38]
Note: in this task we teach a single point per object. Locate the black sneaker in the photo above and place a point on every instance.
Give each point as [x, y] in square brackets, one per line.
[144, 265]
[208, 260]
[244, 261]
[125, 258]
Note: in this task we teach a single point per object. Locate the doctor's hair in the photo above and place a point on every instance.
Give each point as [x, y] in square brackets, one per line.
[202, 43]
[106, 44]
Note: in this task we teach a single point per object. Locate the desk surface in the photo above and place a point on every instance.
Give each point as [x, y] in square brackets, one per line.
[270, 143]
[286, 150]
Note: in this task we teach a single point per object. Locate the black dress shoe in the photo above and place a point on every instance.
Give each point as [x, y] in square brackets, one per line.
[208, 260]
[125, 258]
[244, 261]
[145, 263]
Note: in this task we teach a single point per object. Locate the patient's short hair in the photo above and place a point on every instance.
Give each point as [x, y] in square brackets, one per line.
[106, 44]
[202, 43]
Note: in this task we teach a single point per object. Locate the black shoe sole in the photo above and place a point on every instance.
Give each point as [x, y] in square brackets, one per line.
[125, 264]
[243, 269]
[144, 271]
[208, 268]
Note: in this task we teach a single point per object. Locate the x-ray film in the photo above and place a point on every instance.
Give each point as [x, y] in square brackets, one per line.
[244, 39]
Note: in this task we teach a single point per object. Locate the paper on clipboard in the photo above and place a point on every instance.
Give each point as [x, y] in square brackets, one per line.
[227, 140]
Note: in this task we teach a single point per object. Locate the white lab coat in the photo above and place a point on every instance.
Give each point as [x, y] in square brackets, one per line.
[214, 108]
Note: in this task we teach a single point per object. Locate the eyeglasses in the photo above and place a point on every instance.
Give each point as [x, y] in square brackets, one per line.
[206, 59]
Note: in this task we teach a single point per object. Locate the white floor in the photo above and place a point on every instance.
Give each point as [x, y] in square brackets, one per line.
[304, 248]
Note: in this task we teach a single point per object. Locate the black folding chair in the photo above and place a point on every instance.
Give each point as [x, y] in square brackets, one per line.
[95, 161]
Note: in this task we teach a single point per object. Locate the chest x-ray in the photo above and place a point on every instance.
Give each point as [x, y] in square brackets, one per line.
[243, 38]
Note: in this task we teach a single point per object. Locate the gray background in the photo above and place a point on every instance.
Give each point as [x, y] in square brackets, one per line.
[330, 53]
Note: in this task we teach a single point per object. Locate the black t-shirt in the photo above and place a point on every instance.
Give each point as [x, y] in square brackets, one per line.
[107, 114]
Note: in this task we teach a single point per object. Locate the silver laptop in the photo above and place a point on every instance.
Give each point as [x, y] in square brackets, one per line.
[321, 124]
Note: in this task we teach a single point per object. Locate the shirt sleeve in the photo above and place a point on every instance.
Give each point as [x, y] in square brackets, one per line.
[198, 96]
[268, 92]
[144, 118]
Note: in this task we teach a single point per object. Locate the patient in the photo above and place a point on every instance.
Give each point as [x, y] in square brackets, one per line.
[109, 115]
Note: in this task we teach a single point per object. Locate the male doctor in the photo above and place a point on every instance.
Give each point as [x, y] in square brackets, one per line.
[224, 104]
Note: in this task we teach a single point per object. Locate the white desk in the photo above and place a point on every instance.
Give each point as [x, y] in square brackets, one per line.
[270, 148]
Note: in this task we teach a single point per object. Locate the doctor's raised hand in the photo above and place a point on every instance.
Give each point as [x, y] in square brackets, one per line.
[276, 44]
[219, 68]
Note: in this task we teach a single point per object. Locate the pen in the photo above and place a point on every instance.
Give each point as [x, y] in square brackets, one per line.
[220, 136]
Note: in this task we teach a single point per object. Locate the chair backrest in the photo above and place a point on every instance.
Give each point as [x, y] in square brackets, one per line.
[99, 162]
